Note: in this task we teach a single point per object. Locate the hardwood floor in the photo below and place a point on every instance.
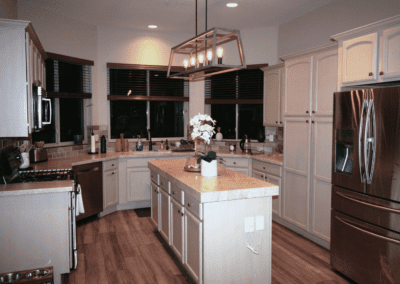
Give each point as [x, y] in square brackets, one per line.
[124, 248]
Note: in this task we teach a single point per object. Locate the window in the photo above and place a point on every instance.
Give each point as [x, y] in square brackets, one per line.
[68, 86]
[236, 102]
[142, 97]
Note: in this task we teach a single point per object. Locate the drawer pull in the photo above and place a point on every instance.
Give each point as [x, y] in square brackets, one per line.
[113, 173]
[370, 74]
[234, 163]
[188, 204]
[264, 168]
[173, 192]
[179, 211]
[276, 121]
[112, 165]
[182, 214]
[381, 73]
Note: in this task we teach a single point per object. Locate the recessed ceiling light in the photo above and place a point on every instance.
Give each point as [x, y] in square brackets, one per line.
[231, 5]
[152, 26]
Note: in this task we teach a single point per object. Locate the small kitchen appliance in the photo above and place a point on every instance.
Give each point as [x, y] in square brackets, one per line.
[38, 153]
[41, 108]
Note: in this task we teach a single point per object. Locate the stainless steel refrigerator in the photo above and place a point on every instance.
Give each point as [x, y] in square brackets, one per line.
[365, 216]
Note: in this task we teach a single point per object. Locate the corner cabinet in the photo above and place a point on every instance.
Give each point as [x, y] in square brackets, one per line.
[274, 93]
[22, 64]
[370, 54]
[110, 183]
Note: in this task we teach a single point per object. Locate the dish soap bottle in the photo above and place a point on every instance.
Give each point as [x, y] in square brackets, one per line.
[139, 144]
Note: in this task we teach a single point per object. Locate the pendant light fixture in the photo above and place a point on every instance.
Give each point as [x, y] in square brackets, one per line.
[202, 56]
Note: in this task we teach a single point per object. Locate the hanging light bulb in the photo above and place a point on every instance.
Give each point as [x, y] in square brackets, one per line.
[185, 64]
[201, 60]
[209, 57]
[220, 51]
[193, 61]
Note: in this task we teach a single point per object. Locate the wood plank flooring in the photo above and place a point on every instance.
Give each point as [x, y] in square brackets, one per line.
[124, 248]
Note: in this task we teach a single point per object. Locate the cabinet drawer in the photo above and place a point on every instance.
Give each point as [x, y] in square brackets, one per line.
[268, 168]
[110, 165]
[236, 162]
[164, 184]
[154, 177]
[138, 162]
[177, 194]
[193, 206]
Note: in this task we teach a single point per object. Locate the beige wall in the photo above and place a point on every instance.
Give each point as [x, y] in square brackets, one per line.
[316, 28]
[8, 9]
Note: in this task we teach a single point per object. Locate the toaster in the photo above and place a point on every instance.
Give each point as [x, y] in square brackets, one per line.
[38, 155]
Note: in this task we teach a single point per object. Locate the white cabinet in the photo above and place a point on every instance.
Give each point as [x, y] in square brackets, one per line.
[110, 183]
[239, 165]
[271, 173]
[274, 94]
[370, 54]
[19, 67]
[310, 80]
[177, 229]
[138, 181]
[164, 215]
[155, 203]
[193, 246]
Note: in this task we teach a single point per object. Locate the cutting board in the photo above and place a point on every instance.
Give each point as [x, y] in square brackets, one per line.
[118, 143]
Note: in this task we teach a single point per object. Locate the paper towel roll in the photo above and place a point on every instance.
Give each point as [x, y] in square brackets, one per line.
[92, 144]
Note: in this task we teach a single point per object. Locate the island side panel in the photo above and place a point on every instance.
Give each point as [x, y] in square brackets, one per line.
[227, 259]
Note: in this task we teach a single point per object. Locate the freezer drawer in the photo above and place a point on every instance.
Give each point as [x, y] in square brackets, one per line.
[364, 252]
[377, 211]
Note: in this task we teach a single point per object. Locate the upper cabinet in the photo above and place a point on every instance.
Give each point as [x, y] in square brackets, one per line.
[274, 94]
[22, 63]
[369, 54]
[310, 81]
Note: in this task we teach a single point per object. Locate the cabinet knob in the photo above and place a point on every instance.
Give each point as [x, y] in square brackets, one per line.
[173, 192]
[234, 163]
[113, 173]
[264, 168]
[179, 211]
[276, 121]
[381, 73]
[370, 74]
[307, 120]
[182, 214]
[188, 204]
[281, 122]
[112, 165]
[313, 111]
[312, 121]
[306, 111]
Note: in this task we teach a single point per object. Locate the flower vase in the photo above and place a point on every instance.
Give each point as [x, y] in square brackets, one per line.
[219, 135]
[209, 169]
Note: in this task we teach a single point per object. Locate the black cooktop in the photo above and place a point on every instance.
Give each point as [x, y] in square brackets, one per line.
[45, 175]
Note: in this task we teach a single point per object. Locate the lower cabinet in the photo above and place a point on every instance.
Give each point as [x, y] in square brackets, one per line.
[165, 215]
[110, 183]
[155, 200]
[138, 184]
[239, 165]
[177, 229]
[193, 246]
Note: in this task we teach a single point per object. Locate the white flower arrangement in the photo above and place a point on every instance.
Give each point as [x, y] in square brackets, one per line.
[203, 127]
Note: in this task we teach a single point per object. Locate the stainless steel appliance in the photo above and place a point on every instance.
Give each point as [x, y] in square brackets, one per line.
[365, 216]
[41, 108]
[37, 155]
[10, 160]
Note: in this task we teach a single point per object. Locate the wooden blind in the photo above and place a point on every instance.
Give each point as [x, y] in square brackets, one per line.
[160, 85]
[123, 80]
[244, 86]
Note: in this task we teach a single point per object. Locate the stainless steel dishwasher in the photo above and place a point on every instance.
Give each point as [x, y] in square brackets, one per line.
[90, 178]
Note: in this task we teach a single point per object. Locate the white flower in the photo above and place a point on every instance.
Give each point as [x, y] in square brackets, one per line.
[202, 128]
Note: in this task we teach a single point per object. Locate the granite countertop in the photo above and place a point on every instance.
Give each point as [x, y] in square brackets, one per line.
[228, 185]
[69, 162]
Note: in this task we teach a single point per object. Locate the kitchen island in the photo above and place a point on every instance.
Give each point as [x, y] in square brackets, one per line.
[220, 227]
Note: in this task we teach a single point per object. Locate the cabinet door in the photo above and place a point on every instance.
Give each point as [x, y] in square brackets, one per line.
[164, 215]
[320, 188]
[177, 232]
[138, 184]
[272, 90]
[258, 175]
[360, 56]
[390, 54]
[298, 86]
[155, 201]
[325, 82]
[276, 207]
[296, 171]
[193, 246]
[110, 188]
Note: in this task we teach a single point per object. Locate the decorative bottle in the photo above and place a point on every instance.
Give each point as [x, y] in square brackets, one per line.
[219, 135]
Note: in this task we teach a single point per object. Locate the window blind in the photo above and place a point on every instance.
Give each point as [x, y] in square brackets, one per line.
[124, 80]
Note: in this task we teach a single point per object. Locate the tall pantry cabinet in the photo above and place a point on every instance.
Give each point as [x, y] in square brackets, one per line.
[22, 63]
[310, 81]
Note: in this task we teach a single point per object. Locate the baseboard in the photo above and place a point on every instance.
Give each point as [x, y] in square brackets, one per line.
[302, 232]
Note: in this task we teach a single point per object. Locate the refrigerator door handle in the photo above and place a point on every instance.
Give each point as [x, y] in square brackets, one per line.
[369, 141]
[360, 136]
[376, 206]
[367, 232]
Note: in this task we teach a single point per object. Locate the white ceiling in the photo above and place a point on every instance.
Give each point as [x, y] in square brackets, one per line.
[179, 15]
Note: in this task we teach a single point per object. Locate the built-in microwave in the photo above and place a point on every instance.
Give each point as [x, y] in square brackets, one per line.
[41, 108]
